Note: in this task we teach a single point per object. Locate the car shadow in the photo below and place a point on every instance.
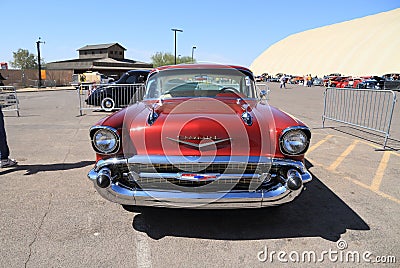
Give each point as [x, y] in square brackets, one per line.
[33, 169]
[317, 212]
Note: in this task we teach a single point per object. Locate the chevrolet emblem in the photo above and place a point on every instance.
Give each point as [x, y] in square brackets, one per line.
[198, 145]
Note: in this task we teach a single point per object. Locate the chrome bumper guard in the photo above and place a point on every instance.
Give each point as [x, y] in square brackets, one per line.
[261, 197]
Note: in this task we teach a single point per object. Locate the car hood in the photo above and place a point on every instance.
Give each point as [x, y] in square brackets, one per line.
[200, 127]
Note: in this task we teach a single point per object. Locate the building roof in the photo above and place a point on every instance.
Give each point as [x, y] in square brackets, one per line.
[100, 63]
[99, 46]
[363, 46]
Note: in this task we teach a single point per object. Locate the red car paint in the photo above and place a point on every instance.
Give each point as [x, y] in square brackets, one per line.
[201, 137]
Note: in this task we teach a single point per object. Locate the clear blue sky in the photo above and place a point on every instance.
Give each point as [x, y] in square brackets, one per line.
[225, 31]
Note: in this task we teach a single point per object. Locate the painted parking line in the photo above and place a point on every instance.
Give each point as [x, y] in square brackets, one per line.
[340, 159]
[380, 172]
[363, 185]
[318, 144]
[379, 147]
[377, 191]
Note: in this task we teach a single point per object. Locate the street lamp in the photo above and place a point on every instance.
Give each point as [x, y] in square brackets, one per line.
[39, 64]
[193, 48]
[176, 30]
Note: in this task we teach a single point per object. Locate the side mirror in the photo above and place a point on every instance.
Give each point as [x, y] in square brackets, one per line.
[264, 94]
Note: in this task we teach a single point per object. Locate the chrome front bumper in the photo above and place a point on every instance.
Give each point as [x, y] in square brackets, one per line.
[260, 197]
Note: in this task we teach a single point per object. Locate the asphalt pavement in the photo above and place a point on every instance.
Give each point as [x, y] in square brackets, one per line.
[51, 215]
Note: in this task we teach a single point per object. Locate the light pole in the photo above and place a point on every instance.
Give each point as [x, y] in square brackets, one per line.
[39, 64]
[193, 48]
[176, 30]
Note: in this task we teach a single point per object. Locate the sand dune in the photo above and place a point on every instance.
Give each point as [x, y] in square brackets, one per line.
[363, 46]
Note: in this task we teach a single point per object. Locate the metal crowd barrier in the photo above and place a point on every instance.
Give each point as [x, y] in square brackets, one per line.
[364, 108]
[108, 97]
[8, 99]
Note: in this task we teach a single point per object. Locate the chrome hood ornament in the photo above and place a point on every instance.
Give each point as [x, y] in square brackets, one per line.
[153, 114]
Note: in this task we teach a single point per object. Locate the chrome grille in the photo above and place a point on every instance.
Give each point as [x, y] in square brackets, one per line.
[197, 183]
[203, 168]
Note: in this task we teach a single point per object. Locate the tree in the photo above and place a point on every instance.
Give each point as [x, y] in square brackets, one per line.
[161, 59]
[24, 60]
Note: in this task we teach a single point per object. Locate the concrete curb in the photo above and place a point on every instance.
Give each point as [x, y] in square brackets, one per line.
[33, 89]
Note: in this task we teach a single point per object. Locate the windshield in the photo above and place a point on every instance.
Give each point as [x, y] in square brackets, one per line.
[173, 83]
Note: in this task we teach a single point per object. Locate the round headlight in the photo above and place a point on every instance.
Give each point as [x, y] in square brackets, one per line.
[294, 142]
[105, 141]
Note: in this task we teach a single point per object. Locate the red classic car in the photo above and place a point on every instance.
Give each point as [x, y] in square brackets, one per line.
[211, 142]
[334, 82]
[349, 83]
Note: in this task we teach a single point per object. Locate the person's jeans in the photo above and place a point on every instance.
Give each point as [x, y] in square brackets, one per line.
[4, 150]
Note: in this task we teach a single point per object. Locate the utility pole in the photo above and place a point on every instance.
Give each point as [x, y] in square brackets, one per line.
[193, 48]
[39, 64]
[176, 30]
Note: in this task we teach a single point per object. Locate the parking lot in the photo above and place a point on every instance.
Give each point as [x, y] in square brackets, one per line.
[53, 217]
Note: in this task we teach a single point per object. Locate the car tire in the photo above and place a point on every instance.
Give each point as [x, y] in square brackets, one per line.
[107, 104]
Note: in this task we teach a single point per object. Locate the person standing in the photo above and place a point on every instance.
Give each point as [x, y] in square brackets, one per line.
[309, 80]
[4, 150]
[283, 81]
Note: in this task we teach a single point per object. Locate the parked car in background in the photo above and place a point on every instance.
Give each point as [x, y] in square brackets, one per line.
[105, 79]
[349, 83]
[328, 78]
[318, 82]
[373, 82]
[391, 77]
[380, 81]
[273, 79]
[335, 81]
[262, 78]
[120, 93]
[369, 84]
[202, 137]
[297, 79]
[133, 77]
[91, 77]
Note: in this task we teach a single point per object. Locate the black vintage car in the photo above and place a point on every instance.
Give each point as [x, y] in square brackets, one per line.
[119, 94]
[375, 82]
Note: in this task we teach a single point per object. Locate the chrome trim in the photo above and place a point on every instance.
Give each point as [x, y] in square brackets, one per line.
[110, 161]
[233, 199]
[152, 117]
[179, 175]
[195, 97]
[199, 145]
[277, 195]
[306, 131]
[162, 159]
[94, 129]
[158, 159]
